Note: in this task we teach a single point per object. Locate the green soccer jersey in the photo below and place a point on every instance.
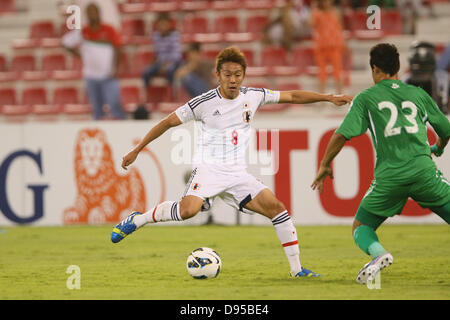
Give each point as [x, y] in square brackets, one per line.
[396, 114]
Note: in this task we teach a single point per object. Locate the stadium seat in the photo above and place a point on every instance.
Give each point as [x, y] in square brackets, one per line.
[391, 22]
[65, 95]
[195, 24]
[124, 66]
[131, 97]
[3, 66]
[38, 32]
[7, 96]
[226, 24]
[274, 56]
[42, 29]
[156, 94]
[32, 96]
[356, 23]
[72, 72]
[256, 24]
[21, 63]
[249, 56]
[7, 6]
[211, 54]
[141, 60]
[53, 62]
[303, 57]
[134, 31]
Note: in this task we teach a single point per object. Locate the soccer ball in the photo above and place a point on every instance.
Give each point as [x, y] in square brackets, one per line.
[204, 263]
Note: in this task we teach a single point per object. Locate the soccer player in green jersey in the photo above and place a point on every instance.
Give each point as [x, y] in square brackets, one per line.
[395, 113]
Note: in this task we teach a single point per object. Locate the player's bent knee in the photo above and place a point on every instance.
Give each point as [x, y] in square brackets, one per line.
[189, 207]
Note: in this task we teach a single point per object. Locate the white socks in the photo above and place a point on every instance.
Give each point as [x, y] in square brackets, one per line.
[286, 232]
[165, 211]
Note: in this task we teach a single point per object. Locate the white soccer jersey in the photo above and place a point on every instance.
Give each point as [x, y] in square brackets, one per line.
[224, 125]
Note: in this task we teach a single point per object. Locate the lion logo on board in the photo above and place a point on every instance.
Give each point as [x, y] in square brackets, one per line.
[103, 196]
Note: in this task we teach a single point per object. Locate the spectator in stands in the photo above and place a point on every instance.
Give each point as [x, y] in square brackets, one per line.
[443, 75]
[98, 46]
[196, 74]
[410, 11]
[328, 39]
[289, 26]
[167, 46]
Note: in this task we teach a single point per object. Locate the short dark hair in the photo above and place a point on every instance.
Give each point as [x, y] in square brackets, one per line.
[386, 57]
[231, 54]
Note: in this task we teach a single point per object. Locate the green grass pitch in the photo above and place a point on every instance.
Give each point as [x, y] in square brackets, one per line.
[151, 263]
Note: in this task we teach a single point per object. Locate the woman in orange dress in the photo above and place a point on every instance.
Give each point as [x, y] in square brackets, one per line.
[328, 39]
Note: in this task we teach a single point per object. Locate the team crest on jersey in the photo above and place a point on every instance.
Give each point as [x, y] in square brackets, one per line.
[246, 105]
[247, 116]
[195, 186]
[395, 86]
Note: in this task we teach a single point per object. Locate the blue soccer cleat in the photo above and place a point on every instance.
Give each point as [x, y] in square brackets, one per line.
[124, 228]
[371, 269]
[306, 273]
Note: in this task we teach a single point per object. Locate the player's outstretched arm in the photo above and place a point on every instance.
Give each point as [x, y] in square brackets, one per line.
[170, 121]
[335, 145]
[304, 97]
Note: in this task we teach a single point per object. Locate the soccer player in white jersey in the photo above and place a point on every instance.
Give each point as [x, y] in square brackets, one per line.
[225, 115]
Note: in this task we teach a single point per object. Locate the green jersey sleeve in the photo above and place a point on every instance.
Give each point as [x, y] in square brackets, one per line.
[435, 117]
[356, 121]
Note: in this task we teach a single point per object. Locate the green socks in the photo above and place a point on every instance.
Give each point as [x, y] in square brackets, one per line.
[367, 240]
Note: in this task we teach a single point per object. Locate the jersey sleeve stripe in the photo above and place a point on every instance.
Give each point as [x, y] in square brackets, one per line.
[197, 103]
[192, 103]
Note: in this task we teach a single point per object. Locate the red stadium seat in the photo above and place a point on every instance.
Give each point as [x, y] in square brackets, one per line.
[7, 96]
[303, 58]
[211, 54]
[156, 94]
[7, 6]
[134, 27]
[356, 23]
[249, 56]
[124, 65]
[22, 63]
[54, 62]
[141, 60]
[134, 31]
[226, 24]
[131, 97]
[42, 29]
[391, 22]
[195, 24]
[65, 95]
[274, 56]
[256, 24]
[32, 96]
[3, 67]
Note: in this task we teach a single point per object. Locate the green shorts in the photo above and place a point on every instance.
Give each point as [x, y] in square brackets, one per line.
[387, 197]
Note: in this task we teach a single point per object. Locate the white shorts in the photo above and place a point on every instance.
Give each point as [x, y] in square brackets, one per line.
[236, 188]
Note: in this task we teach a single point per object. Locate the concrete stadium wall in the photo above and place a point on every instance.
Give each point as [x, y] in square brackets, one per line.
[69, 173]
